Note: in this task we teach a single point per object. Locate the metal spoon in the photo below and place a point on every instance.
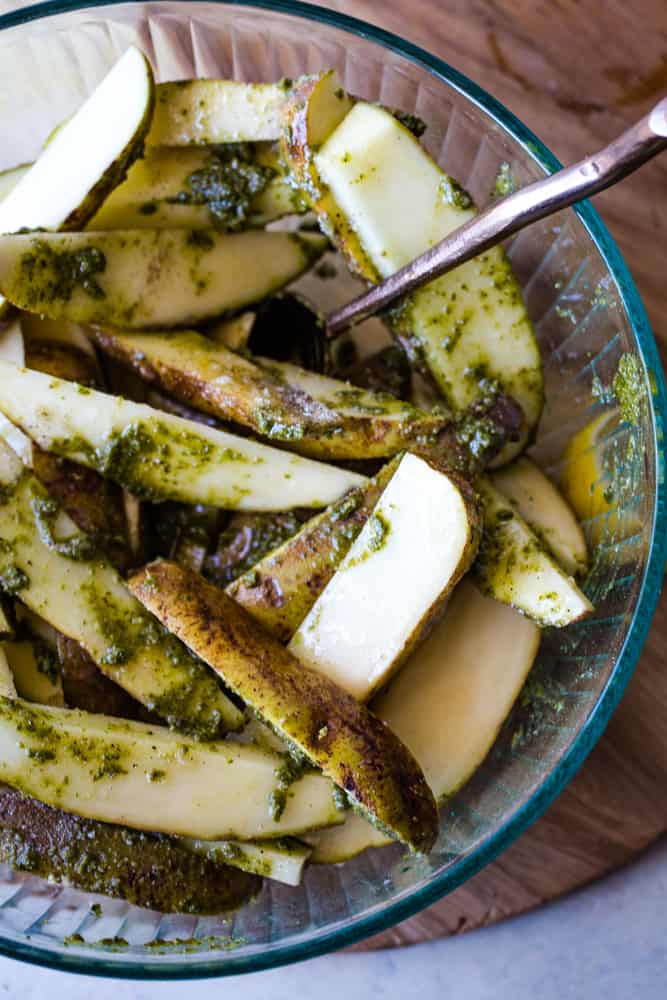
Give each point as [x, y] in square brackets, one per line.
[503, 218]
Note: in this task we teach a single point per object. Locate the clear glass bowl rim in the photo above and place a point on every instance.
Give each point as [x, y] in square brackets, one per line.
[591, 731]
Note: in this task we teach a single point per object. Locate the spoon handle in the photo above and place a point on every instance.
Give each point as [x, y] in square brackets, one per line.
[503, 218]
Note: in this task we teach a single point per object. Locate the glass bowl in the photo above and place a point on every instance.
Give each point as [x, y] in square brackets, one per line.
[587, 314]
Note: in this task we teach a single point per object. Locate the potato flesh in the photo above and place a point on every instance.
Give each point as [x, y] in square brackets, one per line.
[151, 779]
[413, 549]
[7, 686]
[514, 568]
[277, 860]
[545, 510]
[179, 460]
[206, 112]
[448, 702]
[31, 683]
[152, 278]
[399, 203]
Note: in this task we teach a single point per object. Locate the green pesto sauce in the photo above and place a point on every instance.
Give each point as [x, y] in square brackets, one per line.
[379, 529]
[629, 388]
[255, 538]
[79, 547]
[413, 123]
[150, 458]
[504, 183]
[227, 185]
[453, 194]
[293, 768]
[52, 274]
[46, 660]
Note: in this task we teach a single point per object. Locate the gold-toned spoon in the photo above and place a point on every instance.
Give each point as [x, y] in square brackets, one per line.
[503, 218]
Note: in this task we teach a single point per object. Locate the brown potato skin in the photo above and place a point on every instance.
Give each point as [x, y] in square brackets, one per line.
[251, 391]
[94, 504]
[145, 869]
[338, 734]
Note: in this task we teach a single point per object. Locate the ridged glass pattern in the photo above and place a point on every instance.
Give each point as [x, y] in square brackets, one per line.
[586, 314]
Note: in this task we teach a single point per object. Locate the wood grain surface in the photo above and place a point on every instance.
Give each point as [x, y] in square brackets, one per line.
[576, 71]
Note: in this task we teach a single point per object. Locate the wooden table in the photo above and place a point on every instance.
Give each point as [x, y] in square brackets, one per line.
[576, 71]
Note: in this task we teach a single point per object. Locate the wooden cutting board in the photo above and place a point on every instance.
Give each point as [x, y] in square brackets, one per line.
[576, 71]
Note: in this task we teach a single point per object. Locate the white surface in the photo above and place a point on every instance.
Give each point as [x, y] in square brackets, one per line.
[607, 942]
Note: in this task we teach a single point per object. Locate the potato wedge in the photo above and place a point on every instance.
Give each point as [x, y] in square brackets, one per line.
[312, 414]
[384, 201]
[159, 456]
[546, 511]
[325, 724]
[280, 860]
[514, 568]
[281, 588]
[448, 702]
[149, 778]
[207, 112]
[419, 540]
[172, 188]
[54, 570]
[93, 150]
[149, 278]
[160, 873]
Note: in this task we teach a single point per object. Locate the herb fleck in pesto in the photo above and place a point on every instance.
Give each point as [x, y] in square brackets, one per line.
[52, 273]
[79, 547]
[629, 388]
[292, 770]
[504, 183]
[227, 185]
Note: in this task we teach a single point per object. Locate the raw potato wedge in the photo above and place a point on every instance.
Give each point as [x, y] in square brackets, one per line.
[470, 326]
[281, 588]
[207, 112]
[417, 543]
[317, 105]
[51, 567]
[320, 720]
[6, 627]
[93, 150]
[448, 702]
[149, 778]
[157, 872]
[149, 278]
[160, 456]
[157, 193]
[280, 860]
[33, 681]
[546, 511]
[312, 414]
[513, 567]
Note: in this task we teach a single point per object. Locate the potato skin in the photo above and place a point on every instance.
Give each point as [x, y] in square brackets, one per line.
[146, 869]
[334, 731]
